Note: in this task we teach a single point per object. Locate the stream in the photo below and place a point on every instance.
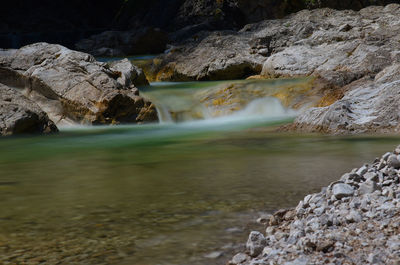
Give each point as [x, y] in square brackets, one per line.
[184, 191]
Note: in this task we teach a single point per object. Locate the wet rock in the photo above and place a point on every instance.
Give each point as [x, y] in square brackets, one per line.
[256, 243]
[342, 190]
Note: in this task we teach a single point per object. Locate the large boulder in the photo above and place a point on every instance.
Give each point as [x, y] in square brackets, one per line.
[72, 87]
[352, 55]
[219, 55]
[20, 115]
[371, 105]
[119, 43]
[356, 52]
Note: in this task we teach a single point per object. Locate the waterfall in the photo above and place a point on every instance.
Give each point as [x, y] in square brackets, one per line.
[201, 101]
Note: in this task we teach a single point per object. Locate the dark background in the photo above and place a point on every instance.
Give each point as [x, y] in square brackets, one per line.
[66, 22]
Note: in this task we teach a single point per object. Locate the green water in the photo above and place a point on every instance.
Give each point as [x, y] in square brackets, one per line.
[159, 194]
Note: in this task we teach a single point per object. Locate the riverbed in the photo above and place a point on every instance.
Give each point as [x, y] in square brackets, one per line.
[183, 192]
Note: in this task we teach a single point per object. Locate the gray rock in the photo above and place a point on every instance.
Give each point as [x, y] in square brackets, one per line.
[238, 258]
[214, 255]
[19, 115]
[362, 170]
[71, 87]
[130, 74]
[351, 177]
[374, 259]
[208, 58]
[386, 156]
[368, 187]
[354, 217]
[342, 190]
[256, 243]
[258, 262]
[371, 176]
[393, 161]
[299, 261]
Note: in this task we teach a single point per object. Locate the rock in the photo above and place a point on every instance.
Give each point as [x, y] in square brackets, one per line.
[393, 161]
[368, 187]
[372, 176]
[264, 219]
[354, 217]
[71, 87]
[342, 190]
[299, 261]
[374, 259]
[209, 58]
[130, 74]
[256, 243]
[214, 255]
[352, 61]
[145, 40]
[363, 227]
[238, 258]
[351, 177]
[362, 170]
[19, 115]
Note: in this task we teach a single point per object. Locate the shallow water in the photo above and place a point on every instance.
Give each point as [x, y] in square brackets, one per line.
[159, 194]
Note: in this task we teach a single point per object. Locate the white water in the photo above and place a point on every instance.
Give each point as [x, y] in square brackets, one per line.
[182, 105]
[191, 117]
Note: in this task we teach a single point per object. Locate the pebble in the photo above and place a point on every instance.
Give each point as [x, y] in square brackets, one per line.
[355, 219]
[256, 243]
[393, 161]
[214, 255]
[238, 258]
[342, 190]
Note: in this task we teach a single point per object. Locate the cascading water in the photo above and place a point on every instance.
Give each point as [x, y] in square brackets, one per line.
[201, 102]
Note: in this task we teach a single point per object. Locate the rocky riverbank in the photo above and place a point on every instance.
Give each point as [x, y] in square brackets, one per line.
[353, 55]
[354, 220]
[50, 84]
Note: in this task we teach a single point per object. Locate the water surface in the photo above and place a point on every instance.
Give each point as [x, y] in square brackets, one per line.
[167, 193]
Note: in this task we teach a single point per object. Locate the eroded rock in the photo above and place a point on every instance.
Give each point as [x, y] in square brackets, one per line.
[72, 87]
[19, 115]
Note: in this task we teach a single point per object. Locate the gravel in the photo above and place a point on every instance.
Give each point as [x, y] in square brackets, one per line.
[355, 220]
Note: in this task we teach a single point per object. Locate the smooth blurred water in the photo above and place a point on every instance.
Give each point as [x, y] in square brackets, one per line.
[160, 193]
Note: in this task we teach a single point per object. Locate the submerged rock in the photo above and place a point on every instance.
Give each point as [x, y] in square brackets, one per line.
[19, 115]
[72, 87]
